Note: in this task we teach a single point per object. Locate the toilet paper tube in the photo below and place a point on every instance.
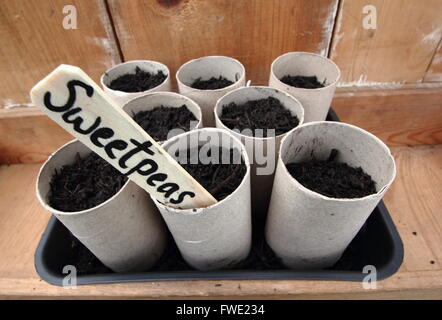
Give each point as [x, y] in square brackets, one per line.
[121, 97]
[262, 152]
[218, 236]
[168, 99]
[308, 230]
[316, 102]
[126, 232]
[205, 68]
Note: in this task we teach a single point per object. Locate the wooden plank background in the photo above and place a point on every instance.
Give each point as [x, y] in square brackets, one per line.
[254, 32]
[399, 50]
[405, 47]
[398, 117]
[404, 53]
[34, 42]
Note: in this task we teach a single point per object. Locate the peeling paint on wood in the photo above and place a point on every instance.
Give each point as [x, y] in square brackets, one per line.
[434, 73]
[399, 51]
[327, 28]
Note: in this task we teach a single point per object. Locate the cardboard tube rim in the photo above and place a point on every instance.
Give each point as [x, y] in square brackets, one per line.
[197, 211]
[46, 205]
[294, 53]
[266, 88]
[177, 75]
[135, 62]
[195, 109]
[314, 194]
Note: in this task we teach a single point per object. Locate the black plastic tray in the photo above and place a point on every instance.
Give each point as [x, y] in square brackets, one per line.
[377, 243]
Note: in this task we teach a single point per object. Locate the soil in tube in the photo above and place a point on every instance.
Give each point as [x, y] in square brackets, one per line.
[303, 82]
[333, 179]
[268, 113]
[84, 184]
[211, 84]
[220, 179]
[137, 82]
[159, 121]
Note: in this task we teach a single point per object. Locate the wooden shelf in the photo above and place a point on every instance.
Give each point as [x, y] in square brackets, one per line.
[414, 201]
[403, 117]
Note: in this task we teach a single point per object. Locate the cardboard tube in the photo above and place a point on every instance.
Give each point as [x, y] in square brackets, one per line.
[168, 99]
[121, 97]
[125, 232]
[218, 236]
[262, 174]
[205, 68]
[309, 230]
[316, 102]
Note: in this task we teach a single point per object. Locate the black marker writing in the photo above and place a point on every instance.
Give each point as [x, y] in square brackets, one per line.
[146, 167]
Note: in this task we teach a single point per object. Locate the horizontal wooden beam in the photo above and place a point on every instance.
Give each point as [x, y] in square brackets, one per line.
[399, 117]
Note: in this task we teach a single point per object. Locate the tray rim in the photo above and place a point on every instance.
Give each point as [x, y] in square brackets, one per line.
[331, 275]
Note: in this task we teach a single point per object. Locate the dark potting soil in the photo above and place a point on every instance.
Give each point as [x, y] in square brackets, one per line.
[137, 82]
[303, 82]
[261, 257]
[84, 260]
[211, 84]
[268, 113]
[160, 120]
[333, 179]
[86, 183]
[220, 179]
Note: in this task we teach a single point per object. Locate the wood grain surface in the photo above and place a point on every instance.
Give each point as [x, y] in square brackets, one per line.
[404, 48]
[28, 135]
[398, 117]
[399, 50]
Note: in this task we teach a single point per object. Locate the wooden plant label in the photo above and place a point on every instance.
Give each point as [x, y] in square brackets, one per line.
[73, 100]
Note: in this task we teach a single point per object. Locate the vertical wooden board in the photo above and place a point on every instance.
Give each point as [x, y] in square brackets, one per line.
[34, 42]
[434, 73]
[29, 136]
[254, 32]
[399, 50]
